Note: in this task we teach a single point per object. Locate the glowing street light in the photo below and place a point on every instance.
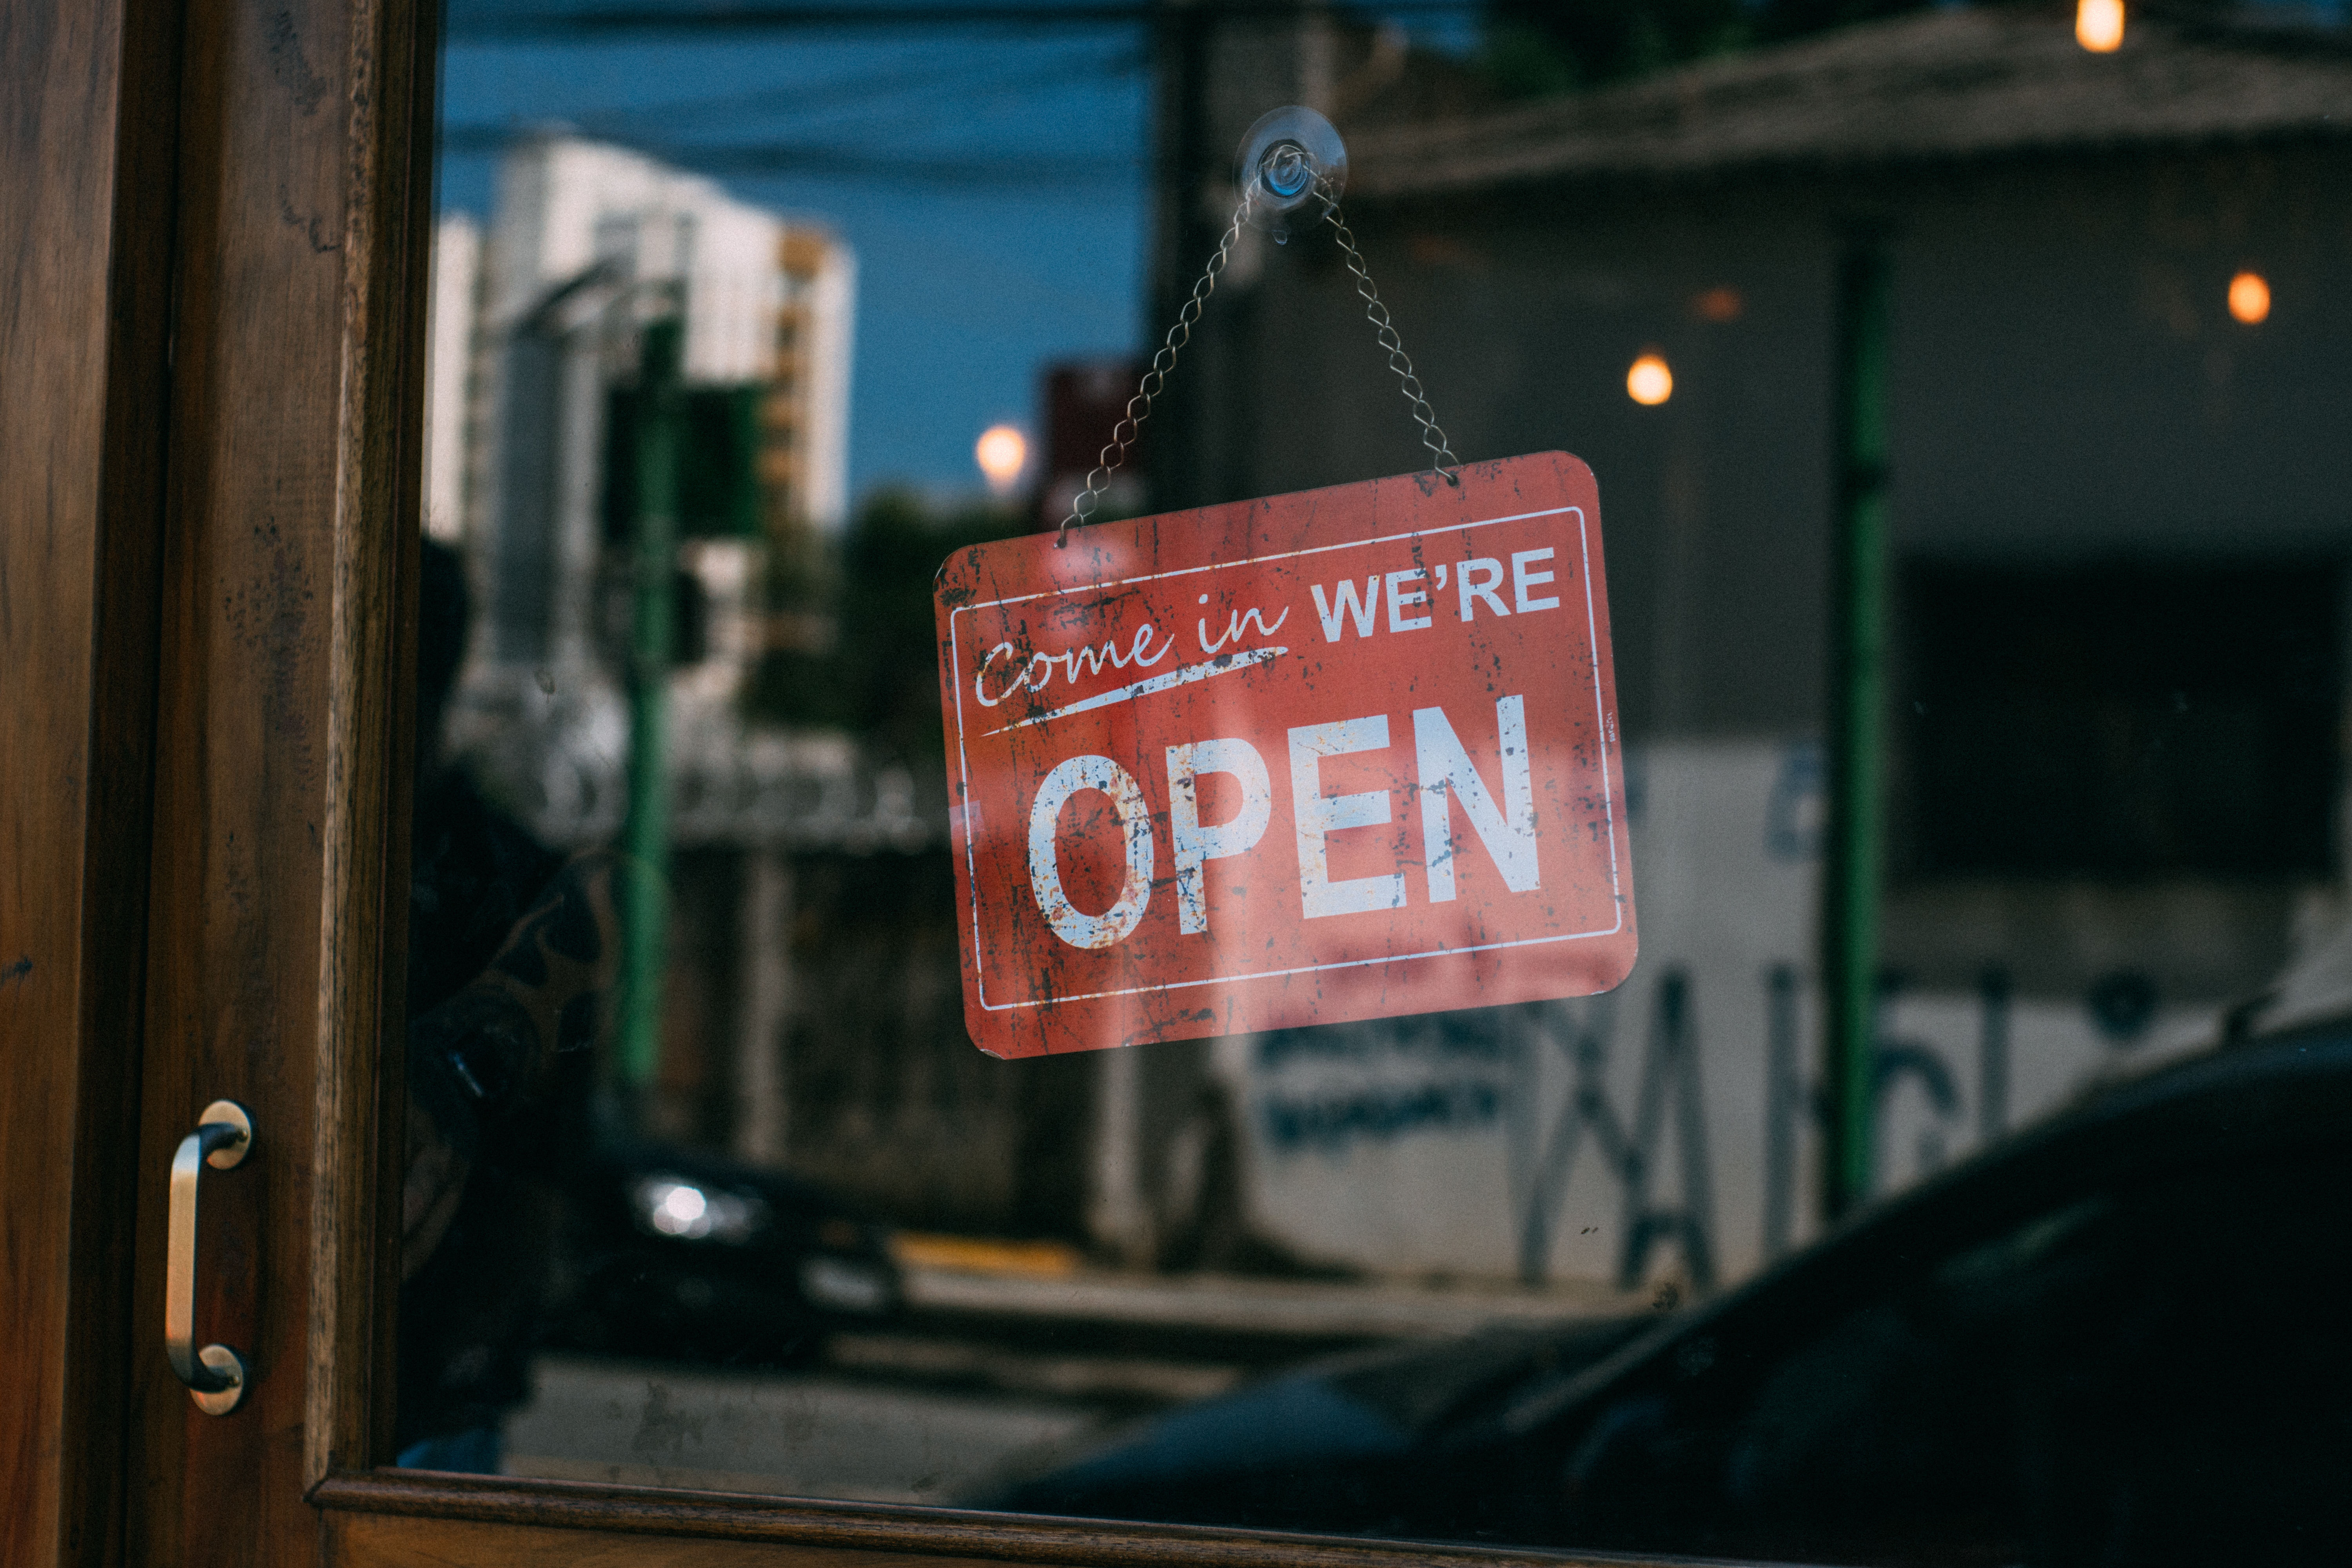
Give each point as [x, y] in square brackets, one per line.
[2250, 298]
[1649, 383]
[2099, 25]
[1001, 452]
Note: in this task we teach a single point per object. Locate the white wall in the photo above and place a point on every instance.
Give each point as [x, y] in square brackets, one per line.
[563, 204]
[1403, 1147]
[833, 321]
[448, 366]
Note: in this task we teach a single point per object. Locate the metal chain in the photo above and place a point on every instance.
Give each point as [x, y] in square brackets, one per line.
[1139, 407]
[1155, 380]
[1440, 452]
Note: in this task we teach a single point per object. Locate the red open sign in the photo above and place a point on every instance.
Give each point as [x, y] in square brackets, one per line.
[1341, 754]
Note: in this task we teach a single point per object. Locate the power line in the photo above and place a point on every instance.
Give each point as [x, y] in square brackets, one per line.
[800, 98]
[593, 22]
[988, 168]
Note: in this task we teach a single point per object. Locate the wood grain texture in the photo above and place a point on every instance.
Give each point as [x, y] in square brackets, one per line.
[364, 1358]
[84, 151]
[398, 1541]
[473, 1513]
[372, 657]
[279, 767]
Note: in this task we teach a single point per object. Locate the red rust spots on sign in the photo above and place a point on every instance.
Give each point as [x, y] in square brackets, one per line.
[1341, 754]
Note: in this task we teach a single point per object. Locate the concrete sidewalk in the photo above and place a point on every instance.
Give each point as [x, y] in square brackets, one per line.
[1243, 1305]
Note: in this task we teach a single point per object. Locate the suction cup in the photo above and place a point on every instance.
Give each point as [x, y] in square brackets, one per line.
[1292, 168]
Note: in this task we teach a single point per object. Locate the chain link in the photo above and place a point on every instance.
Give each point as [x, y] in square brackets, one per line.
[1442, 458]
[1139, 407]
[1155, 380]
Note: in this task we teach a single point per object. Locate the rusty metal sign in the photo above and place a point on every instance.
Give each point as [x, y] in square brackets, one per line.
[1346, 753]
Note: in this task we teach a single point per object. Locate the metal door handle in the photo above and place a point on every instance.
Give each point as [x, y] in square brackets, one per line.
[214, 1374]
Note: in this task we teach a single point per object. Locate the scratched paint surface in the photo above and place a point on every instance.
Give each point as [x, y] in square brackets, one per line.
[1347, 754]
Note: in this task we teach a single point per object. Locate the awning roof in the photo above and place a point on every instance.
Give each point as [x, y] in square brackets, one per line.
[1940, 86]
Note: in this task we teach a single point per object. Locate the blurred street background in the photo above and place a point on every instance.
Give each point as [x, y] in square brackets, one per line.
[2059, 316]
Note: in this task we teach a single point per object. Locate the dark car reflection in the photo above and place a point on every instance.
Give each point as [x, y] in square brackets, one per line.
[670, 1253]
[2124, 1337]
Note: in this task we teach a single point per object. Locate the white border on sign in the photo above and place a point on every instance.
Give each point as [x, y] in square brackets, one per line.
[1599, 723]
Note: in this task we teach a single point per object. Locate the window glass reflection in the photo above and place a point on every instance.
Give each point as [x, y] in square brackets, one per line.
[743, 320]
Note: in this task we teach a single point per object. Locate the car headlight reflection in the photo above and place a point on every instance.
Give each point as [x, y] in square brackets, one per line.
[677, 1207]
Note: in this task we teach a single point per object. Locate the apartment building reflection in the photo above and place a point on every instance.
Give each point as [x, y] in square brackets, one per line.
[532, 409]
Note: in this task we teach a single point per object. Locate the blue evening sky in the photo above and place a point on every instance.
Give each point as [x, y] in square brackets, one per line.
[966, 285]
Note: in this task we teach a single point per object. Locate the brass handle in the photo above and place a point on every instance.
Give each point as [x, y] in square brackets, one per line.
[214, 1374]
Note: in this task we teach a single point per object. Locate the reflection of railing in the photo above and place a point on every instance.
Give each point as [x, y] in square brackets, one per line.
[857, 813]
[1669, 1073]
[862, 813]
[727, 789]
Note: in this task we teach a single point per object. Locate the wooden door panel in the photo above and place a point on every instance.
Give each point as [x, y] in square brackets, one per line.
[84, 149]
[276, 749]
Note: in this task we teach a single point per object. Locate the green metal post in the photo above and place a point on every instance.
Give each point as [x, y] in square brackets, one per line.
[1857, 696]
[646, 832]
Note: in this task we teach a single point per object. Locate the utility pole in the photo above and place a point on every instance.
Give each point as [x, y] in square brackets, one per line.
[1851, 862]
[653, 638]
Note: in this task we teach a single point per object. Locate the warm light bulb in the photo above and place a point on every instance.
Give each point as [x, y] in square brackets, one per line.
[2099, 25]
[1649, 383]
[1003, 452]
[2250, 298]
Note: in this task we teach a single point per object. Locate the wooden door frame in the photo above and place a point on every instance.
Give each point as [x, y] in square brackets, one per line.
[214, 595]
[303, 147]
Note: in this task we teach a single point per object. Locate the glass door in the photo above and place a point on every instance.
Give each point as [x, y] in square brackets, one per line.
[302, 817]
[518, 796]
